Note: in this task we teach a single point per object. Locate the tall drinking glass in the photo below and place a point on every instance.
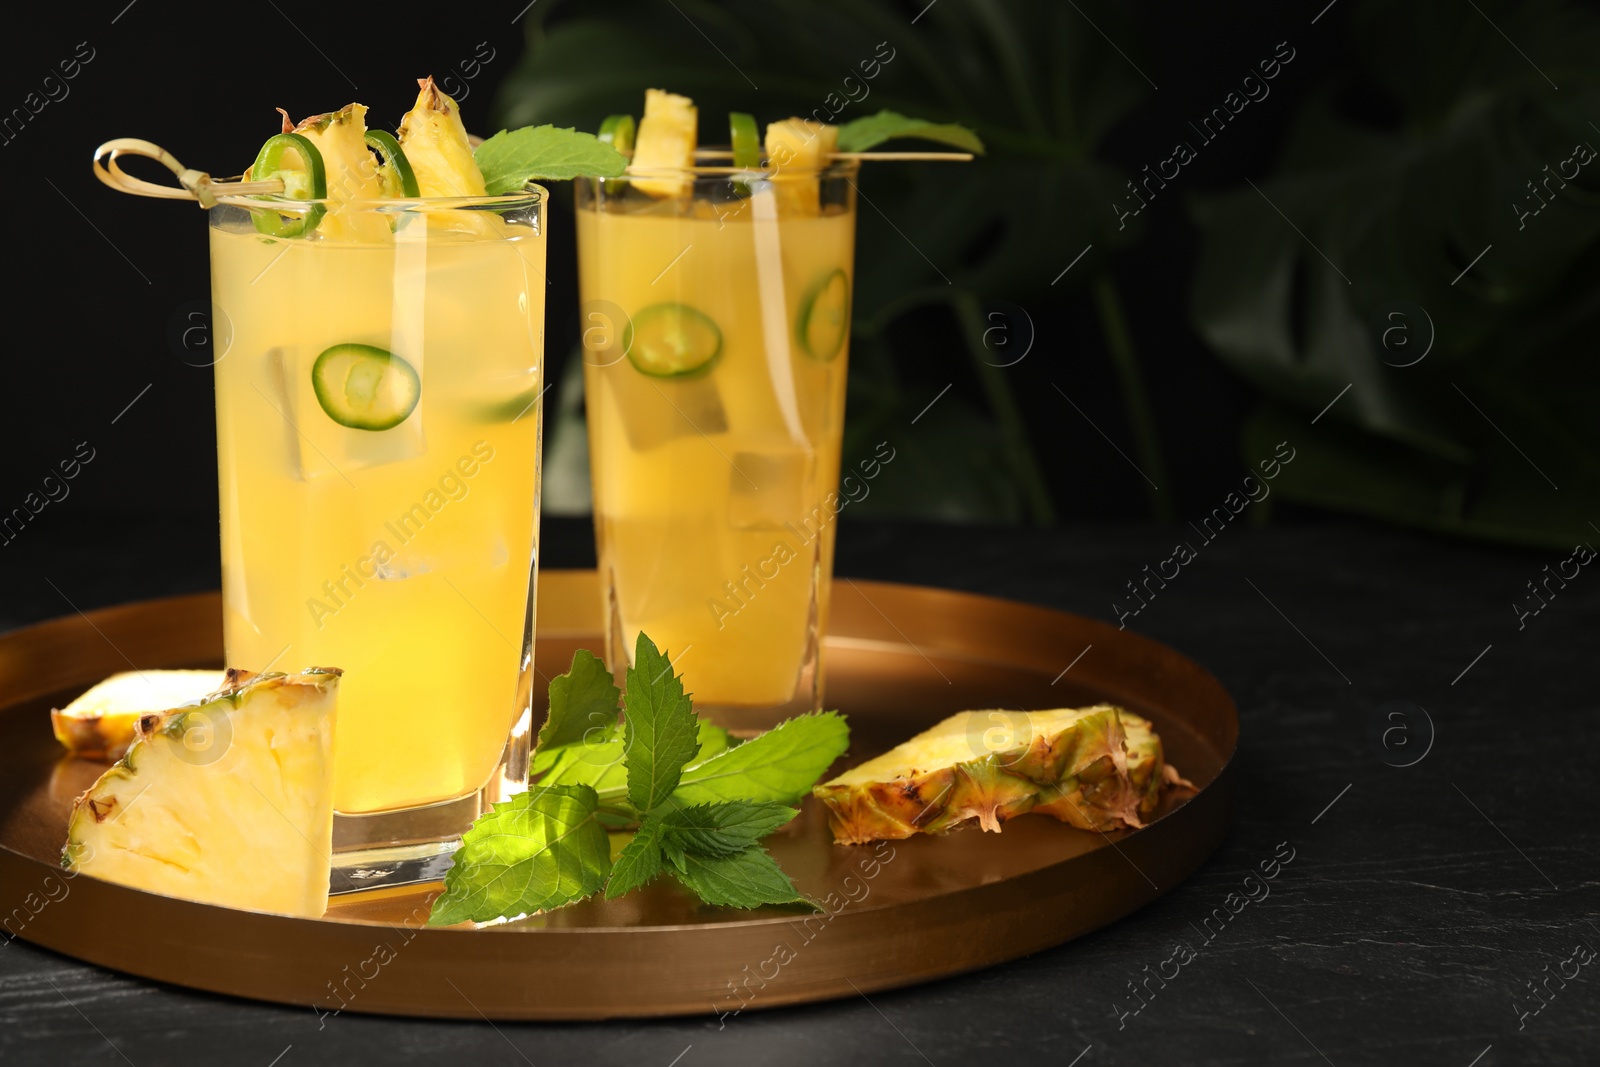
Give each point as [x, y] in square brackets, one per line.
[716, 308]
[378, 429]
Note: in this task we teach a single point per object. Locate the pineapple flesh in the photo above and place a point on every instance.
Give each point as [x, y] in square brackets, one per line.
[435, 142]
[100, 723]
[351, 171]
[666, 141]
[1097, 768]
[226, 802]
[797, 151]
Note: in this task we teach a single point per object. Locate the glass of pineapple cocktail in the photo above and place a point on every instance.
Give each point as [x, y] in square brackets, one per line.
[378, 431]
[716, 304]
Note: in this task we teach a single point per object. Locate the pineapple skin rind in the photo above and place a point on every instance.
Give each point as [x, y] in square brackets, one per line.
[1077, 772]
[290, 878]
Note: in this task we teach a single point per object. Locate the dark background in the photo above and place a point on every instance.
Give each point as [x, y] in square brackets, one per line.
[107, 281]
[1427, 899]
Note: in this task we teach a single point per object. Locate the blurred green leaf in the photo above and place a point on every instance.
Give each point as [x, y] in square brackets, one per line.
[869, 131]
[1426, 277]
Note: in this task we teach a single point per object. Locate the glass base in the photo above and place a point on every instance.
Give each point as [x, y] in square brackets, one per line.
[409, 846]
[381, 868]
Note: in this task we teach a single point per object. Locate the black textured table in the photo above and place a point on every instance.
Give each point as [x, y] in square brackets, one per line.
[1390, 893]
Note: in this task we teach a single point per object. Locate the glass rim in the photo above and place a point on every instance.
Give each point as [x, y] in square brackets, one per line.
[531, 195]
[838, 168]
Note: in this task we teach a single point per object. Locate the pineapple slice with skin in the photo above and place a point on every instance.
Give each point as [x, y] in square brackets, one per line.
[435, 142]
[797, 150]
[100, 723]
[351, 171]
[991, 766]
[666, 140]
[227, 802]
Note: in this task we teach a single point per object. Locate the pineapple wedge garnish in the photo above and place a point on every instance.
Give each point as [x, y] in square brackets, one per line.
[797, 150]
[666, 141]
[990, 766]
[227, 802]
[100, 723]
[351, 171]
[435, 141]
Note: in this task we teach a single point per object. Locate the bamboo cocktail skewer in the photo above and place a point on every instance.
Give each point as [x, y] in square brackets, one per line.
[198, 185]
[902, 157]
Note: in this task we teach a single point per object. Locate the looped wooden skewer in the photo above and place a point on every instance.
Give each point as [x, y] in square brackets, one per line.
[192, 184]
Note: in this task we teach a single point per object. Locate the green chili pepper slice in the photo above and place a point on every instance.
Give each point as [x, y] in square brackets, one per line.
[303, 178]
[396, 174]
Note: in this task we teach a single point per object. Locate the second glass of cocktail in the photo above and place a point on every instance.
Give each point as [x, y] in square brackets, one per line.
[716, 325]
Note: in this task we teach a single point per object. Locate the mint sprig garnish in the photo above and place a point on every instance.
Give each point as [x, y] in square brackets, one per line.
[869, 131]
[512, 158]
[698, 803]
[661, 732]
[531, 853]
[779, 766]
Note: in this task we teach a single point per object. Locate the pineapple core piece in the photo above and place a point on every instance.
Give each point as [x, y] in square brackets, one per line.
[666, 140]
[797, 150]
[100, 723]
[1074, 764]
[228, 802]
[435, 142]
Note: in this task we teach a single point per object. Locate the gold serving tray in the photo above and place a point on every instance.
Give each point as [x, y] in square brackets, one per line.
[899, 659]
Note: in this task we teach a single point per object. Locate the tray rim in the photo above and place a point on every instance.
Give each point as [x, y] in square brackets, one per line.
[20, 870]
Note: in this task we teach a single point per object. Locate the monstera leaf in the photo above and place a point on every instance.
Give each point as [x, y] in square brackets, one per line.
[1441, 282]
[1032, 77]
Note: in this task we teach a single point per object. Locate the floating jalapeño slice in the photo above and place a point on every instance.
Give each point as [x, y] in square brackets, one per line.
[824, 319]
[365, 387]
[671, 341]
[395, 163]
[303, 179]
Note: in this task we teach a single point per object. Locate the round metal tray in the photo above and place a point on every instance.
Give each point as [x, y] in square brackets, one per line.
[899, 659]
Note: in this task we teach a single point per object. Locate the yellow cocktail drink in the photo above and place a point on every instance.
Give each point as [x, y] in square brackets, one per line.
[378, 433]
[716, 335]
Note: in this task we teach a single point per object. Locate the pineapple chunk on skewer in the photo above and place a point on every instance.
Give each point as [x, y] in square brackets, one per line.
[350, 168]
[435, 142]
[1096, 768]
[100, 723]
[665, 141]
[797, 150]
[227, 802]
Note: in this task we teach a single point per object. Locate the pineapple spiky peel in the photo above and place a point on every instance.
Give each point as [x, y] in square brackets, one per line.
[100, 723]
[990, 766]
[229, 801]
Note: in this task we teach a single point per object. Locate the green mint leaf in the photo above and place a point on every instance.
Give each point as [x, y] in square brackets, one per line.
[596, 761]
[714, 740]
[638, 863]
[582, 702]
[536, 851]
[662, 732]
[724, 829]
[869, 131]
[780, 766]
[512, 158]
[746, 880]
